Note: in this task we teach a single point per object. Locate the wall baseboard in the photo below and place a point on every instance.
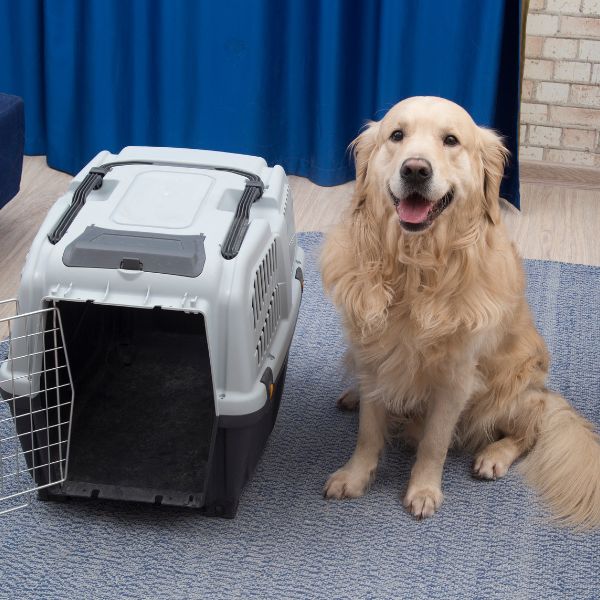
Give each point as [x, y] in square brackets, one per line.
[547, 173]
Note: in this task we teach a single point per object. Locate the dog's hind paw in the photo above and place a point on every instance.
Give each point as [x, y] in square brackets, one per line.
[423, 502]
[488, 468]
[494, 461]
[346, 483]
[349, 400]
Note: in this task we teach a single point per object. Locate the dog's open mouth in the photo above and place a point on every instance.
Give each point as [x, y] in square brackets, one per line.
[417, 213]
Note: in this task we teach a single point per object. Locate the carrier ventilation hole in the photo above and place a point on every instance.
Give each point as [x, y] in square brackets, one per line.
[285, 202]
[270, 325]
[263, 281]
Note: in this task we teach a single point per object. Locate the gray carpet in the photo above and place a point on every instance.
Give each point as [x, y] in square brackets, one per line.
[489, 540]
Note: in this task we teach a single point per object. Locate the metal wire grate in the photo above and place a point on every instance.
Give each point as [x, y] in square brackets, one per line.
[35, 405]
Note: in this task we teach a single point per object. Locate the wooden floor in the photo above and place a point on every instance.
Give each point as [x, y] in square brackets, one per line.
[560, 218]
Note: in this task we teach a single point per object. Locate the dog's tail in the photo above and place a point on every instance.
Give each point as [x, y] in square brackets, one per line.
[564, 464]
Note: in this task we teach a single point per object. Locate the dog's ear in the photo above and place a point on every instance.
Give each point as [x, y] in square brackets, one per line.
[362, 148]
[493, 156]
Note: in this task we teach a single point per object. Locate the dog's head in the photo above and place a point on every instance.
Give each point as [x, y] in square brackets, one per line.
[428, 161]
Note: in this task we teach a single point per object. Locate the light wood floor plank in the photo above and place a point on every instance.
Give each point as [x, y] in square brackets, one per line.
[555, 223]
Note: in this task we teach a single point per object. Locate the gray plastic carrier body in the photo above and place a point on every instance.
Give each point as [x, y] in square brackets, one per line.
[139, 272]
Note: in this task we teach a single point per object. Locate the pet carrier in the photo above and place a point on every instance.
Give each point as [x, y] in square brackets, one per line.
[147, 349]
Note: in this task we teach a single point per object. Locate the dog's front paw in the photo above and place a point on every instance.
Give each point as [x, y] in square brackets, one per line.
[346, 483]
[422, 502]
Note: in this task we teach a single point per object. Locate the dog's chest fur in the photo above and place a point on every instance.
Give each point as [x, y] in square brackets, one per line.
[427, 341]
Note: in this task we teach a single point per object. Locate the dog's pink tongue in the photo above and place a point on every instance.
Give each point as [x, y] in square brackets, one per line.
[413, 209]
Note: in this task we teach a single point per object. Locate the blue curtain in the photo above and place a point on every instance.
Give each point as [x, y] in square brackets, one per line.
[290, 80]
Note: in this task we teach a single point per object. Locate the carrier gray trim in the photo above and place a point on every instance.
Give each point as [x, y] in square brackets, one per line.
[101, 248]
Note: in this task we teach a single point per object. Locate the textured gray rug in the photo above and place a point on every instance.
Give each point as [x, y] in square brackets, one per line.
[488, 541]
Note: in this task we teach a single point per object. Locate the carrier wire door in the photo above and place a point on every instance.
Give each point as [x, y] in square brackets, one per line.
[36, 404]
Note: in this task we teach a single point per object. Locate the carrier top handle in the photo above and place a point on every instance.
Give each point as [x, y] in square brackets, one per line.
[237, 231]
[92, 181]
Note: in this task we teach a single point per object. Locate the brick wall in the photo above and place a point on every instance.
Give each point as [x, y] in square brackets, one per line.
[560, 109]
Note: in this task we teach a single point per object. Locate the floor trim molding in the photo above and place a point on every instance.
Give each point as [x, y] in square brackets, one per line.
[547, 173]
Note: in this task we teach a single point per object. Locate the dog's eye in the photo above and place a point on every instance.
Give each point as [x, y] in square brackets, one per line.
[450, 140]
[397, 136]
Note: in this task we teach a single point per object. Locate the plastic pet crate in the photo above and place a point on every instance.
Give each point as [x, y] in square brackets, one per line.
[147, 349]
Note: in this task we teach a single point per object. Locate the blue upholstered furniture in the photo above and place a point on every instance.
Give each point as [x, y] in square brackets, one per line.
[12, 137]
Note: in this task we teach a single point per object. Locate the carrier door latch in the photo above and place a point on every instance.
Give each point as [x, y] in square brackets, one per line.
[131, 264]
[269, 383]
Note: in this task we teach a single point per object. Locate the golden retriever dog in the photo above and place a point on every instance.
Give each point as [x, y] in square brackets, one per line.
[441, 339]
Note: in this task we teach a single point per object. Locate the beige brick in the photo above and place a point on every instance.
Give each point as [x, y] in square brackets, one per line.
[522, 133]
[589, 49]
[538, 69]
[580, 26]
[563, 6]
[570, 157]
[531, 153]
[539, 135]
[537, 4]
[527, 90]
[581, 139]
[552, 92]
[568, 115]
[534, 113]
[597, 161]
[572, 71]
[587, 95]
[542, 24]
[533, 46]
[591, 7]
[596, 74]
[560, 48]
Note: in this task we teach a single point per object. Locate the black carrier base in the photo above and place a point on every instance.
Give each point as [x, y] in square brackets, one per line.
[238, 447]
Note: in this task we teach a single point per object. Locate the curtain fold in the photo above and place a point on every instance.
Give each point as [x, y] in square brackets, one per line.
[290, 80]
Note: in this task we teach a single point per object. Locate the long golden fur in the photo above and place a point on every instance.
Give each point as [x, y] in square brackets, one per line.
[440, 334]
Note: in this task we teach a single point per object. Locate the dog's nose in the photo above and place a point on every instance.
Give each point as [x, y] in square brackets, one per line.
[416, 170]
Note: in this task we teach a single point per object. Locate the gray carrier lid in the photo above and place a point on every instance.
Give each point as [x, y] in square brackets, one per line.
[146, 184]
[152, 252]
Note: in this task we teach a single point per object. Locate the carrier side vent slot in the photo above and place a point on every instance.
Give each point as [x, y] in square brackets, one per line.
[285, 201]
[269, 326]
[263, 285]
